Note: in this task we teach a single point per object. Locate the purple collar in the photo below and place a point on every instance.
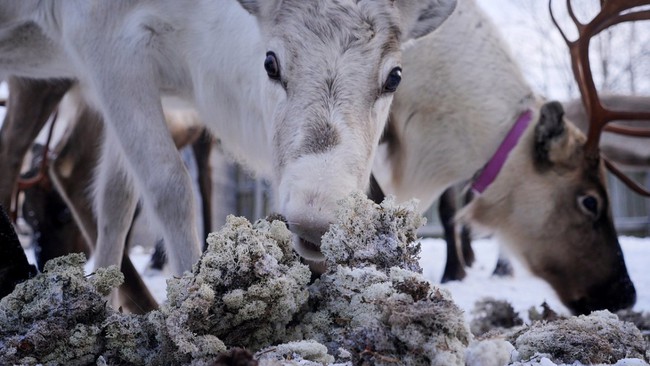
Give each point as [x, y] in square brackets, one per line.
[494, 165]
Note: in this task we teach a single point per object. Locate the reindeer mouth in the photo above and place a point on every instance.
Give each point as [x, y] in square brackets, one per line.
[307, 249]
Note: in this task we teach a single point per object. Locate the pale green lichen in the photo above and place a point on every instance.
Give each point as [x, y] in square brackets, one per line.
[371, 302]
[250, 290]
[245, 289]
[366, 233]
[590, 339]
[55, 317]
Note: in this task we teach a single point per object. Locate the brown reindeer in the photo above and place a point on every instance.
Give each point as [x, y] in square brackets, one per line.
[546, 200]
[631, 152]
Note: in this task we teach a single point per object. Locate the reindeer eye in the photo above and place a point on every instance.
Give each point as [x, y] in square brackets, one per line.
[589, 205]
[393, 80]
[271, 66]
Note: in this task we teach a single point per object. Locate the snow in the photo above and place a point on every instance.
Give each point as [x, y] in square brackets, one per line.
[524, 290]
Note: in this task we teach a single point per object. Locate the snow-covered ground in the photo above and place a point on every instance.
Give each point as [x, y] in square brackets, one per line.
[522, 290]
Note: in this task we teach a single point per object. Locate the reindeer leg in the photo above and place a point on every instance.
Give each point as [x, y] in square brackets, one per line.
[133, 294]
[30, 104]
[116, 204]
[72, 174]
[129, 98]
[466, 236]
[503, 267]
[202, 148]
[72, 170]
[455, 266]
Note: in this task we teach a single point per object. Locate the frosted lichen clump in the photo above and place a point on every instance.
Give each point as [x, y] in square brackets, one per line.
[366, 233]
[56, 317]
[592, 339]
[371, 306]
[244, 291]
[250, 290]
[491, 315]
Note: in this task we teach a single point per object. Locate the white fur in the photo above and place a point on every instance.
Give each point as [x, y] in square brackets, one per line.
[126, 54]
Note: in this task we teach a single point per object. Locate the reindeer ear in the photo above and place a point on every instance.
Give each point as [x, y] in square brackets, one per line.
[549, 130]
[421, 17]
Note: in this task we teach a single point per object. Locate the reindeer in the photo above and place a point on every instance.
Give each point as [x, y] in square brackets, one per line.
[298, 91]
[548, 201]
[631, 152]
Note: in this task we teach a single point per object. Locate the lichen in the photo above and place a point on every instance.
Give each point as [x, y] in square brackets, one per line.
[547, 313]
[56, 317]
[491, 315]
[488, 352]
[245, 289]
[372, 302]
[250, 290]
[641, 320]
[596, 338]
[366, 233]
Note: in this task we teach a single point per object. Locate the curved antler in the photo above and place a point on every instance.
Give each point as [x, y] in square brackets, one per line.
[612, 12]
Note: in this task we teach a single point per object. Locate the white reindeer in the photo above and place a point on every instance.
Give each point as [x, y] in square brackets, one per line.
[299, 92]
[548, 203]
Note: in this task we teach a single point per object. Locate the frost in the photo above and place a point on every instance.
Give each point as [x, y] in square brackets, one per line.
[310, 351]
[596, 338]
[372, 302]
[641, 320]
[250, 293]
[56, 316]
[244, 290]
[367, 233]
[489, 352]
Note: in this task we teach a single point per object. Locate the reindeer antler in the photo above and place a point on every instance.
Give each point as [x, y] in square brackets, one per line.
[611, 13]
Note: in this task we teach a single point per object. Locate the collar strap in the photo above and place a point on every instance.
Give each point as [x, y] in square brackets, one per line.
[494, 165]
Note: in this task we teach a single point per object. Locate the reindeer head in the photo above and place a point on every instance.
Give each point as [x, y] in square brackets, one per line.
[335, 64]
[549, 205]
